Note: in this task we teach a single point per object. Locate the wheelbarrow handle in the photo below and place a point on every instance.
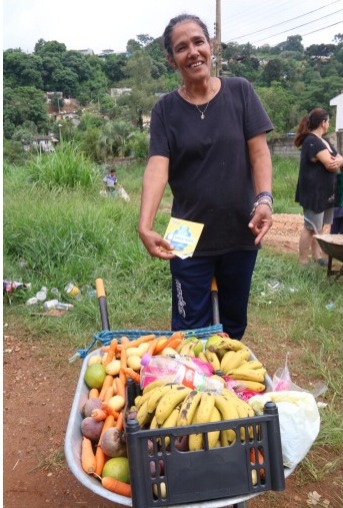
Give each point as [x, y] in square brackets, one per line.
[100, 292]
[214, 300]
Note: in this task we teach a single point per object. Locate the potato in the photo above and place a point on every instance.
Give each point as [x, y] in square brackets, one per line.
[116, 403]
[134, 362]
[113, 368]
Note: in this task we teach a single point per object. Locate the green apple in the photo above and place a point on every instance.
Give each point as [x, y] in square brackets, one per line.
[196, 344]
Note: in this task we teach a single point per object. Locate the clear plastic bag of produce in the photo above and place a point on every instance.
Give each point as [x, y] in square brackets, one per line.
[299, 421]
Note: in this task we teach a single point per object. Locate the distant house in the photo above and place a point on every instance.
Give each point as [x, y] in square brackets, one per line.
[45, 144]
[117, 92]
[85, 51]
[338, 102]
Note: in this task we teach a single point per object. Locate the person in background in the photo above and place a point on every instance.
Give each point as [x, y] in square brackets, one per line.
[208, 142]
[337, 223]
[315, 192]
[110, 181]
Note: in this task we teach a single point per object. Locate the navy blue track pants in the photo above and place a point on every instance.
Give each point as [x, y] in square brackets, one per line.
[191, 291]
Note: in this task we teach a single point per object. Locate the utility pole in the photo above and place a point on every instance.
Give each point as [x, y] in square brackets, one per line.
[218, 43]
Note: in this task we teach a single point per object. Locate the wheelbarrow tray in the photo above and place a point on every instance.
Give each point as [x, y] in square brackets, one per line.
[332, 245]
[73, 454]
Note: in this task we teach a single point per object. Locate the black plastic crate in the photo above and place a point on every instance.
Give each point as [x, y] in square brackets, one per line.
[162, 475]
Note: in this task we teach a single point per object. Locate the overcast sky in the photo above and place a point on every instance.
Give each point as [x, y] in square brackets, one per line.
[109, 24]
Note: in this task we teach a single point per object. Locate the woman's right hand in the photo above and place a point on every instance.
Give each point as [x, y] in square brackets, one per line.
[156, 245]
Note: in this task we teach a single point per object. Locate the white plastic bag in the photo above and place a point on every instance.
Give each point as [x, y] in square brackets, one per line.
[299, 422]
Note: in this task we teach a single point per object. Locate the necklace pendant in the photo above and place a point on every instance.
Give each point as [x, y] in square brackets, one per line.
[202, 116]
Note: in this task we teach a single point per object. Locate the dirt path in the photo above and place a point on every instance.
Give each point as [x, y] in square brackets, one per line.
[39, 386]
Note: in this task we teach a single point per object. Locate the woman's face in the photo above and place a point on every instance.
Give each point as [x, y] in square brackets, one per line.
[191, 51]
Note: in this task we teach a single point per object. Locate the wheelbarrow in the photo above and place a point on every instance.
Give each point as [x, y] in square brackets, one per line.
[269, 440]
[332, 245]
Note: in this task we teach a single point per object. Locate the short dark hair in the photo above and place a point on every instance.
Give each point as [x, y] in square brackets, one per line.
[167, 34]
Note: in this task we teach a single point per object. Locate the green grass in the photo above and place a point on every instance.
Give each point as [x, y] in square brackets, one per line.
[55, 233]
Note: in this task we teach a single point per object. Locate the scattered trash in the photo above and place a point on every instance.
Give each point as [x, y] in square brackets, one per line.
[72, 290]
[330, 305]
[55, 292]
[42, 294]
[32, 301]
[274, 285]
[55, 304]
[11, 285]
[319, 389]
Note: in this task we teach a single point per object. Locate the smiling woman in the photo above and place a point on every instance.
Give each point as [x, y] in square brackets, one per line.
[208, 141]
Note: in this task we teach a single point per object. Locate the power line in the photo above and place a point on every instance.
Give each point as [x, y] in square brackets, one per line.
[303, 24]
[286, 21]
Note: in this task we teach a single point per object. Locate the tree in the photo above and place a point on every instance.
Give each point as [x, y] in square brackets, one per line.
[278, 103]
[293, 43]
[114, 68]
[24, 104]
[20, 69]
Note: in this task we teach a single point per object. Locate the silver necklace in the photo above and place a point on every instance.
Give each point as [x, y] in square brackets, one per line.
[202, 113]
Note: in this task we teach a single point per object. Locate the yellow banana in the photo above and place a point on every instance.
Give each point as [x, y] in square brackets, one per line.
[156, 396]
[196, 441]
[213, 359]
[202, 357]
[188, 408]
[213, 437]
[227, 344]
[154, 384]
[251, 385]
[170, 421]
[169, 401]
[248, 374]
[233, 359]
[224, 441]
[153, 423]
[228, 411]
[253, 364]
[143, 416]
[205, 408]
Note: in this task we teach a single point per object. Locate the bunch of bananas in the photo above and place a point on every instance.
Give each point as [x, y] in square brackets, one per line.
[174, 405]
[232, 358]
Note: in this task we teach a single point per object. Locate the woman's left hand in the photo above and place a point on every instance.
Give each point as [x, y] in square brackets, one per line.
[261, 222]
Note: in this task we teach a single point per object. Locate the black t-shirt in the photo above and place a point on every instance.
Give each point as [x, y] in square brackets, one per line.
[316, 186]
[209, 167]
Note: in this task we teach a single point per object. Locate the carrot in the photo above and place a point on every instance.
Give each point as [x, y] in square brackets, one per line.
[120, 386]
[100, 457]
[161, 341]
[123, 365]
[132, 374]
[172, 342]
[152, 345]
[93, 393]
[88, 460]
[109, 392]
[116, 486]
[109, 410]
[111, 352]
[107, 382]
[99, 414]
[140, 340]
[120, 421]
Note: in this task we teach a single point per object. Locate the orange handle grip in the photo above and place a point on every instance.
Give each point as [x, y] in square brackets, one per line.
[100, 288]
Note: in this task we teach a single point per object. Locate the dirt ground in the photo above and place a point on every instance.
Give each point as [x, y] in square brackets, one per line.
[39, 386]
